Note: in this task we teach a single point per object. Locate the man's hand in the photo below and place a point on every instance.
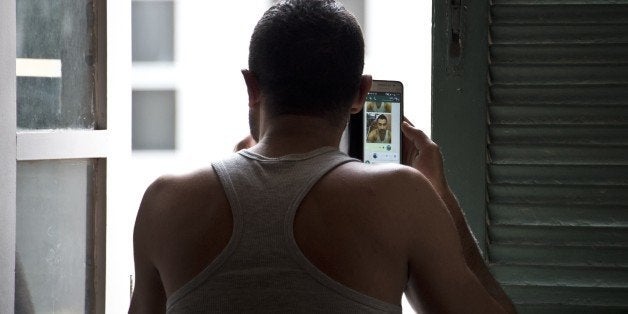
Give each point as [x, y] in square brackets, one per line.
[421, 153]
[247, 142]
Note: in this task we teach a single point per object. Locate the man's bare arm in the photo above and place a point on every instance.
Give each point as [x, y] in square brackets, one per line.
[472, 255]
[149, 295]
[424, 155]
[440, 281]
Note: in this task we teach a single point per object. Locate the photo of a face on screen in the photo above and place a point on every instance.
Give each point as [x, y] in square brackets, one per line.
[382, 127]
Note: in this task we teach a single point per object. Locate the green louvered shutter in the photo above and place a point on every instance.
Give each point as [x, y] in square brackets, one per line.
[557, 160]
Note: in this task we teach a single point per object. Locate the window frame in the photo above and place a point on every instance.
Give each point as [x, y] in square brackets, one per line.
[459, 103]
[28, 145]
[8, 148]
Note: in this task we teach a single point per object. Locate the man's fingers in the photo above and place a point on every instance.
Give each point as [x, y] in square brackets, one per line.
[418, 137]
[408, 121]
[247, 142]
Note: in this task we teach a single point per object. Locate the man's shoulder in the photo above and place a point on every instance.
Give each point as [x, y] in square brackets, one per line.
[181, 196]
[377, 187]
[390, 175]
[387, 200]
[173, 188]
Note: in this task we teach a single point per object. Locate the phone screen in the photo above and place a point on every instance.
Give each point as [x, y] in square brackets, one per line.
[381, 135]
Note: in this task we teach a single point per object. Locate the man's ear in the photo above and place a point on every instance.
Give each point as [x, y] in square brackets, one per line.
[365, 87]
[252, 87]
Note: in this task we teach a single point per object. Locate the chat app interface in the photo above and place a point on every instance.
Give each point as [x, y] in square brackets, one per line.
[382, 138]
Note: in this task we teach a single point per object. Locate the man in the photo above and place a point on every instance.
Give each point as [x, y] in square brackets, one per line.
[291, 224]
[381, 132]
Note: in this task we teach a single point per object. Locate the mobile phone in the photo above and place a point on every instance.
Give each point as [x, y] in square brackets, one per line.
[375, 132]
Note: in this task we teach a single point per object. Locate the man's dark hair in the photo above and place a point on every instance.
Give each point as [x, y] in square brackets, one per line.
[382, 117]
[308, 57]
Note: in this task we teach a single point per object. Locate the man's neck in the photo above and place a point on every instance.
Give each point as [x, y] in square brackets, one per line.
[291, 134]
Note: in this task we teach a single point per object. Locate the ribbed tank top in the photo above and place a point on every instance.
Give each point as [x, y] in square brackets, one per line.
[262, 269]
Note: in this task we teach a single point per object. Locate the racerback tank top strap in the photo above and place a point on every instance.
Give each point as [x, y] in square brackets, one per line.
[269, 189]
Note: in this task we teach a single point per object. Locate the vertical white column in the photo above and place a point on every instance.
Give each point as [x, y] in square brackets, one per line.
[120, 214]
[7, 155]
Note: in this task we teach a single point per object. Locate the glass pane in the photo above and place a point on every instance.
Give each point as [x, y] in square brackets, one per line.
[153, 31]
[154, 119]
[55, 68]
[53, 207]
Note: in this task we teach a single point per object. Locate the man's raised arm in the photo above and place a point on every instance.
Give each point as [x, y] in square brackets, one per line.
[424, 155]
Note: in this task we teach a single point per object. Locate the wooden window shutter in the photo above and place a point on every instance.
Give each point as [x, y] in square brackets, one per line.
[558, 153]
[555, 144]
